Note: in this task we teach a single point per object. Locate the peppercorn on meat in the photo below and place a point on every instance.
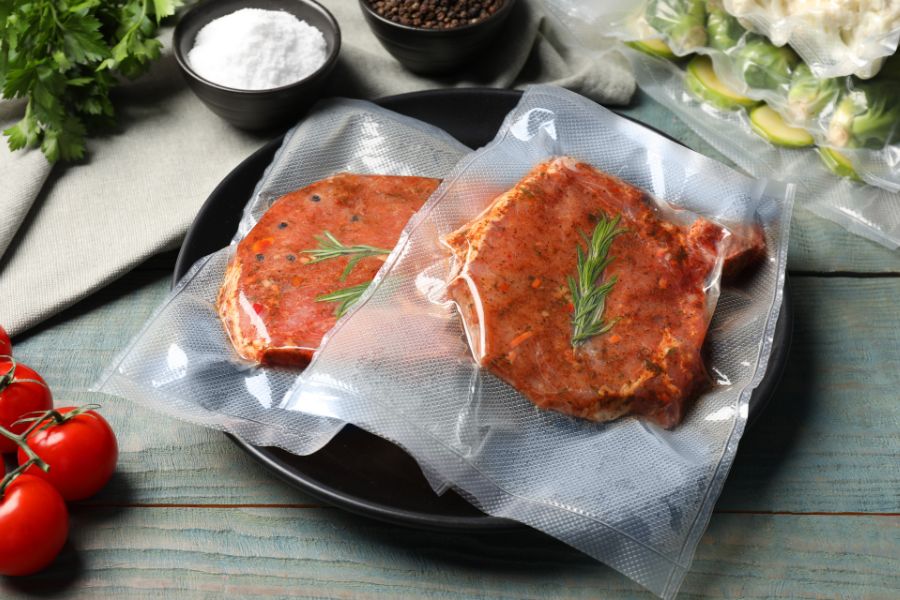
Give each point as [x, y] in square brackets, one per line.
[271, 299]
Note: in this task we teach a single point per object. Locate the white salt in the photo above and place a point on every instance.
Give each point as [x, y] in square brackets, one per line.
[255, 49]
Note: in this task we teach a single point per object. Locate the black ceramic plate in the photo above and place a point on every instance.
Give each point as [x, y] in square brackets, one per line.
[358, 471]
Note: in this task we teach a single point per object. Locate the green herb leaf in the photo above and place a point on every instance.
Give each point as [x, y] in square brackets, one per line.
[82, 42]
[346, 297]
[588, 291]
[23, 134]
[164, 8]
[330, 248]
[57, 55]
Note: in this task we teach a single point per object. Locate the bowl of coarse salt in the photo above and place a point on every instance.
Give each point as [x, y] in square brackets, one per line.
[258, 64]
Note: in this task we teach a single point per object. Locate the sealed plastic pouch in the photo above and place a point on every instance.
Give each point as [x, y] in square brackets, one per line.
[185, 362]
[852, 177]
[857, 120]
[834, 38]
[538, 316]
[866, 210]
[407, 366]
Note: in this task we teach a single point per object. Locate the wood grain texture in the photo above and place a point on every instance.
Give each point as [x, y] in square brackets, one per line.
[167, 525]
[815, 244]
[325, 553]
[827, 443]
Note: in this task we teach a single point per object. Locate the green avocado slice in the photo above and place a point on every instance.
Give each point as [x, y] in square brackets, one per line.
[653, 47]
[701, 80]
[838, 164]
[770, 126]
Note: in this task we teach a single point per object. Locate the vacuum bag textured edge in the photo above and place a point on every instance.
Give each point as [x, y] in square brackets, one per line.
[182, 363]
[867, 211]
[355, 380]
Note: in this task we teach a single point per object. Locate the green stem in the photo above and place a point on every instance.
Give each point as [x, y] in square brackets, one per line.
[330, 247]
[7, 378]
[33, 458]
[138, 22]
[54, 417]
[8, 478]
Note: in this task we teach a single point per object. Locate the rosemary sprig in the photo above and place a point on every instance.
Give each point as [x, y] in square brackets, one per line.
[346, 297]
[330, 247]
[588, 292]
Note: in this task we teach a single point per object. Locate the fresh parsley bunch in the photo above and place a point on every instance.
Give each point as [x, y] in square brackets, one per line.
[64, 56]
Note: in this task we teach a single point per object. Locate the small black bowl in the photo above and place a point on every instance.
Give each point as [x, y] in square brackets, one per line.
[257, 109]
[434, 51]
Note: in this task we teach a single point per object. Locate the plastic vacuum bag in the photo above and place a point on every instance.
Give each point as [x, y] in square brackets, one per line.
[865, 210]
[628, 492]
[835, 39]
[307, 258]
[855, 123]
[825, 35]
[548, 328]
[182, 363]
[859, 119]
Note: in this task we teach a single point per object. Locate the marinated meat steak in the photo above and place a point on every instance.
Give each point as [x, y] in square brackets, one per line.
[510, 284]
[268, 298]
[746, 247]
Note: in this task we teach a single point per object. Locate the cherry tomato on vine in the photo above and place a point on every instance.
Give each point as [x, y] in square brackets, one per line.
[5, 344]
[22, 391]
[34, 524]
[81, 449]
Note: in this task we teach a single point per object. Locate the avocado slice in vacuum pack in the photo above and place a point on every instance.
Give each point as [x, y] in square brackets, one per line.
[653, 47]
[838, 163]
[701, 80]
[766, 122]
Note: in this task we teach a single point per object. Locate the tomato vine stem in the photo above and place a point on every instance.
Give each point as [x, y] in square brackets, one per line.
[33, 458]
[54, 417]
[9, 378]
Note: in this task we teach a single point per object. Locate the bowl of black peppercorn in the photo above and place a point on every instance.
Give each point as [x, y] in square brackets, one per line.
[435, 36]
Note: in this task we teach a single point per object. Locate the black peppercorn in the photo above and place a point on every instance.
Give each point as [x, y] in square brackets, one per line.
[436, 14]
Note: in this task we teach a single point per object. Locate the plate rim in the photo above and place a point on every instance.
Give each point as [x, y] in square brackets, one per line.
[476, 523]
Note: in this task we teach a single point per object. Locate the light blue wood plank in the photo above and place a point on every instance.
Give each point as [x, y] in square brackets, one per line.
[827, 443]
[829, 439]
[161, 459]
[323, 553]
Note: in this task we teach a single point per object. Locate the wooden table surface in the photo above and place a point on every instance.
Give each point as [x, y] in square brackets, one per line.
[811, 509]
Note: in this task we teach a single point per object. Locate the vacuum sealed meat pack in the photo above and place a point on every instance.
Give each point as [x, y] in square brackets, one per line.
[569, 331]
[232, 337]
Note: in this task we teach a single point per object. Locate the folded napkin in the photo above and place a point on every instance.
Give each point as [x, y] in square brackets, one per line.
[67, 230]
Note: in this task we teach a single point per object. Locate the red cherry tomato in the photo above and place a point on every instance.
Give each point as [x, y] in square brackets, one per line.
[24, 393]
[5, 344]
[81, 452]
[34, 524]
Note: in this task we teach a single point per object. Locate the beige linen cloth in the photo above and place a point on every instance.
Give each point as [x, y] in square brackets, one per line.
[69, 229]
